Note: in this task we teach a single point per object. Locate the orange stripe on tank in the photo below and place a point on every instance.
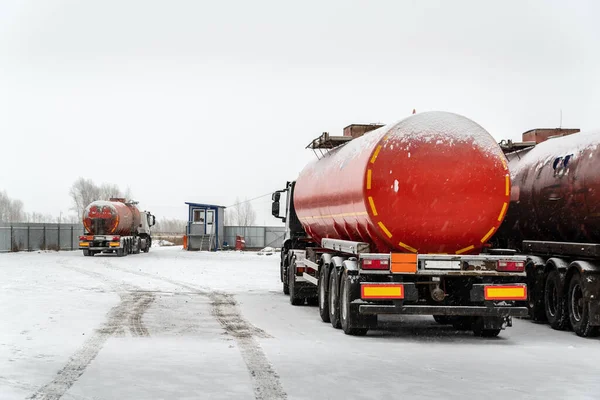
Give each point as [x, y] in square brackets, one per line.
[407, 247]
[503, 211]
[471, 247]
[375, 154]
[384, 229]
[372, 204]
[487, 235]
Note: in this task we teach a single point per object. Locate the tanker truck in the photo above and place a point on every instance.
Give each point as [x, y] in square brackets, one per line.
[116, 226]
[395, 220]
[554, 219]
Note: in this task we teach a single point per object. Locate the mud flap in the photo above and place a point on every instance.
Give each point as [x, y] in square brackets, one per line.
[590, 294]
[493, 322]
[359, 320]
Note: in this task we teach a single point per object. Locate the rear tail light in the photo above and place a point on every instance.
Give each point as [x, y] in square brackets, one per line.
[375, 263]
[116, 238]
[510, 266]
[299, 270]
[87, 237]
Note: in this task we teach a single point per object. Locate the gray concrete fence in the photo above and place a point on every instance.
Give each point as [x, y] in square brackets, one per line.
[257, 237]
[32, 236]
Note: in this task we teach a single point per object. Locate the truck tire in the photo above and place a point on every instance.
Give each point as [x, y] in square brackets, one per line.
[121, 252]
[87, 253]
[148, 245]
[347, 319]
[334, 302]
[284, 277]
[295, 300]
[137, 246]
[578, 309]
[487, 333]
[555, 302]
[323, 298]
[462, 323]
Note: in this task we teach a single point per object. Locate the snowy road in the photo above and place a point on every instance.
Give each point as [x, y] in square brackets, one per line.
[177, 325]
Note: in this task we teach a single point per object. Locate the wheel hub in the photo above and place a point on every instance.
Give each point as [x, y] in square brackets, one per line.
[577, 302]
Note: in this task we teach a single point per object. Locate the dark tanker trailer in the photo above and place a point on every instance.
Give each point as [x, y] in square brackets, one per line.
[554, 218]
[395, 220]
[115, 226]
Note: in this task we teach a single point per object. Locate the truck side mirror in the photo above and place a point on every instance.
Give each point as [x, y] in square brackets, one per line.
[276, 196]
[275, 209]
[153, 220]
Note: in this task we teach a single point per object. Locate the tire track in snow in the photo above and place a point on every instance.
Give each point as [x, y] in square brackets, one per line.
[129, 310]
[136, 325]
[265, 381]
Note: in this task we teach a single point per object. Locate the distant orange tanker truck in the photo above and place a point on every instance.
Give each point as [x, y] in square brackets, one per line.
[116, 226]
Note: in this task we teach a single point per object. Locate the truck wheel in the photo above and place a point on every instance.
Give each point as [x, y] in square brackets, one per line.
[462, 323]
[442, 319]
[347, 319]
[578, 309]
[137, 243]
[121, 252]
[87, 253]
[334, 303]
[486, 332]
[295, 300]
[323, 299]
[148, 245]
[555, 302]
[284, 278]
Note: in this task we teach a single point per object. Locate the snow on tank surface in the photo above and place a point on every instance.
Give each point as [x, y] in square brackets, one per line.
[546, 152]
[439, 127]
[444, 129]
[99, 203]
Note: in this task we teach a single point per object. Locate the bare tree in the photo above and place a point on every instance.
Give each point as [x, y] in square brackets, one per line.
[230, 218]
[165, 225]
[84, 191]
[71, 219]
[244, 213]
[4, 206]
[11, 210]
[108, 190]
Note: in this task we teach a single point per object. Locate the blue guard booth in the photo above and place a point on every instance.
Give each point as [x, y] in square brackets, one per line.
[205, 226]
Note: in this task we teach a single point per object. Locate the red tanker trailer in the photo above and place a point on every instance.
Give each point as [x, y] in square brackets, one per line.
[115, 226]
[554, 218]
[393, 220]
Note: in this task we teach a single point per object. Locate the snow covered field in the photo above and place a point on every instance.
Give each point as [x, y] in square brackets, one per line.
[172, 324]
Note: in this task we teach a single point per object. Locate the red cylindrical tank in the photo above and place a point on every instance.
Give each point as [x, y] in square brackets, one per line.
[111, 218]
[556, 193]
[434, 182]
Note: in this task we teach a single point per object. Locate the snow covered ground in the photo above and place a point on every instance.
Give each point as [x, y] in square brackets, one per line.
[172, 324]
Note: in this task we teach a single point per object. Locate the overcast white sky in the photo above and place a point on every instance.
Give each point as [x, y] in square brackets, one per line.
[208, 100]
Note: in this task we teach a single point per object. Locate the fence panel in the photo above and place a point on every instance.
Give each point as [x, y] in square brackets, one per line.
[33, 236]
[256, 237]
[5, 238]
